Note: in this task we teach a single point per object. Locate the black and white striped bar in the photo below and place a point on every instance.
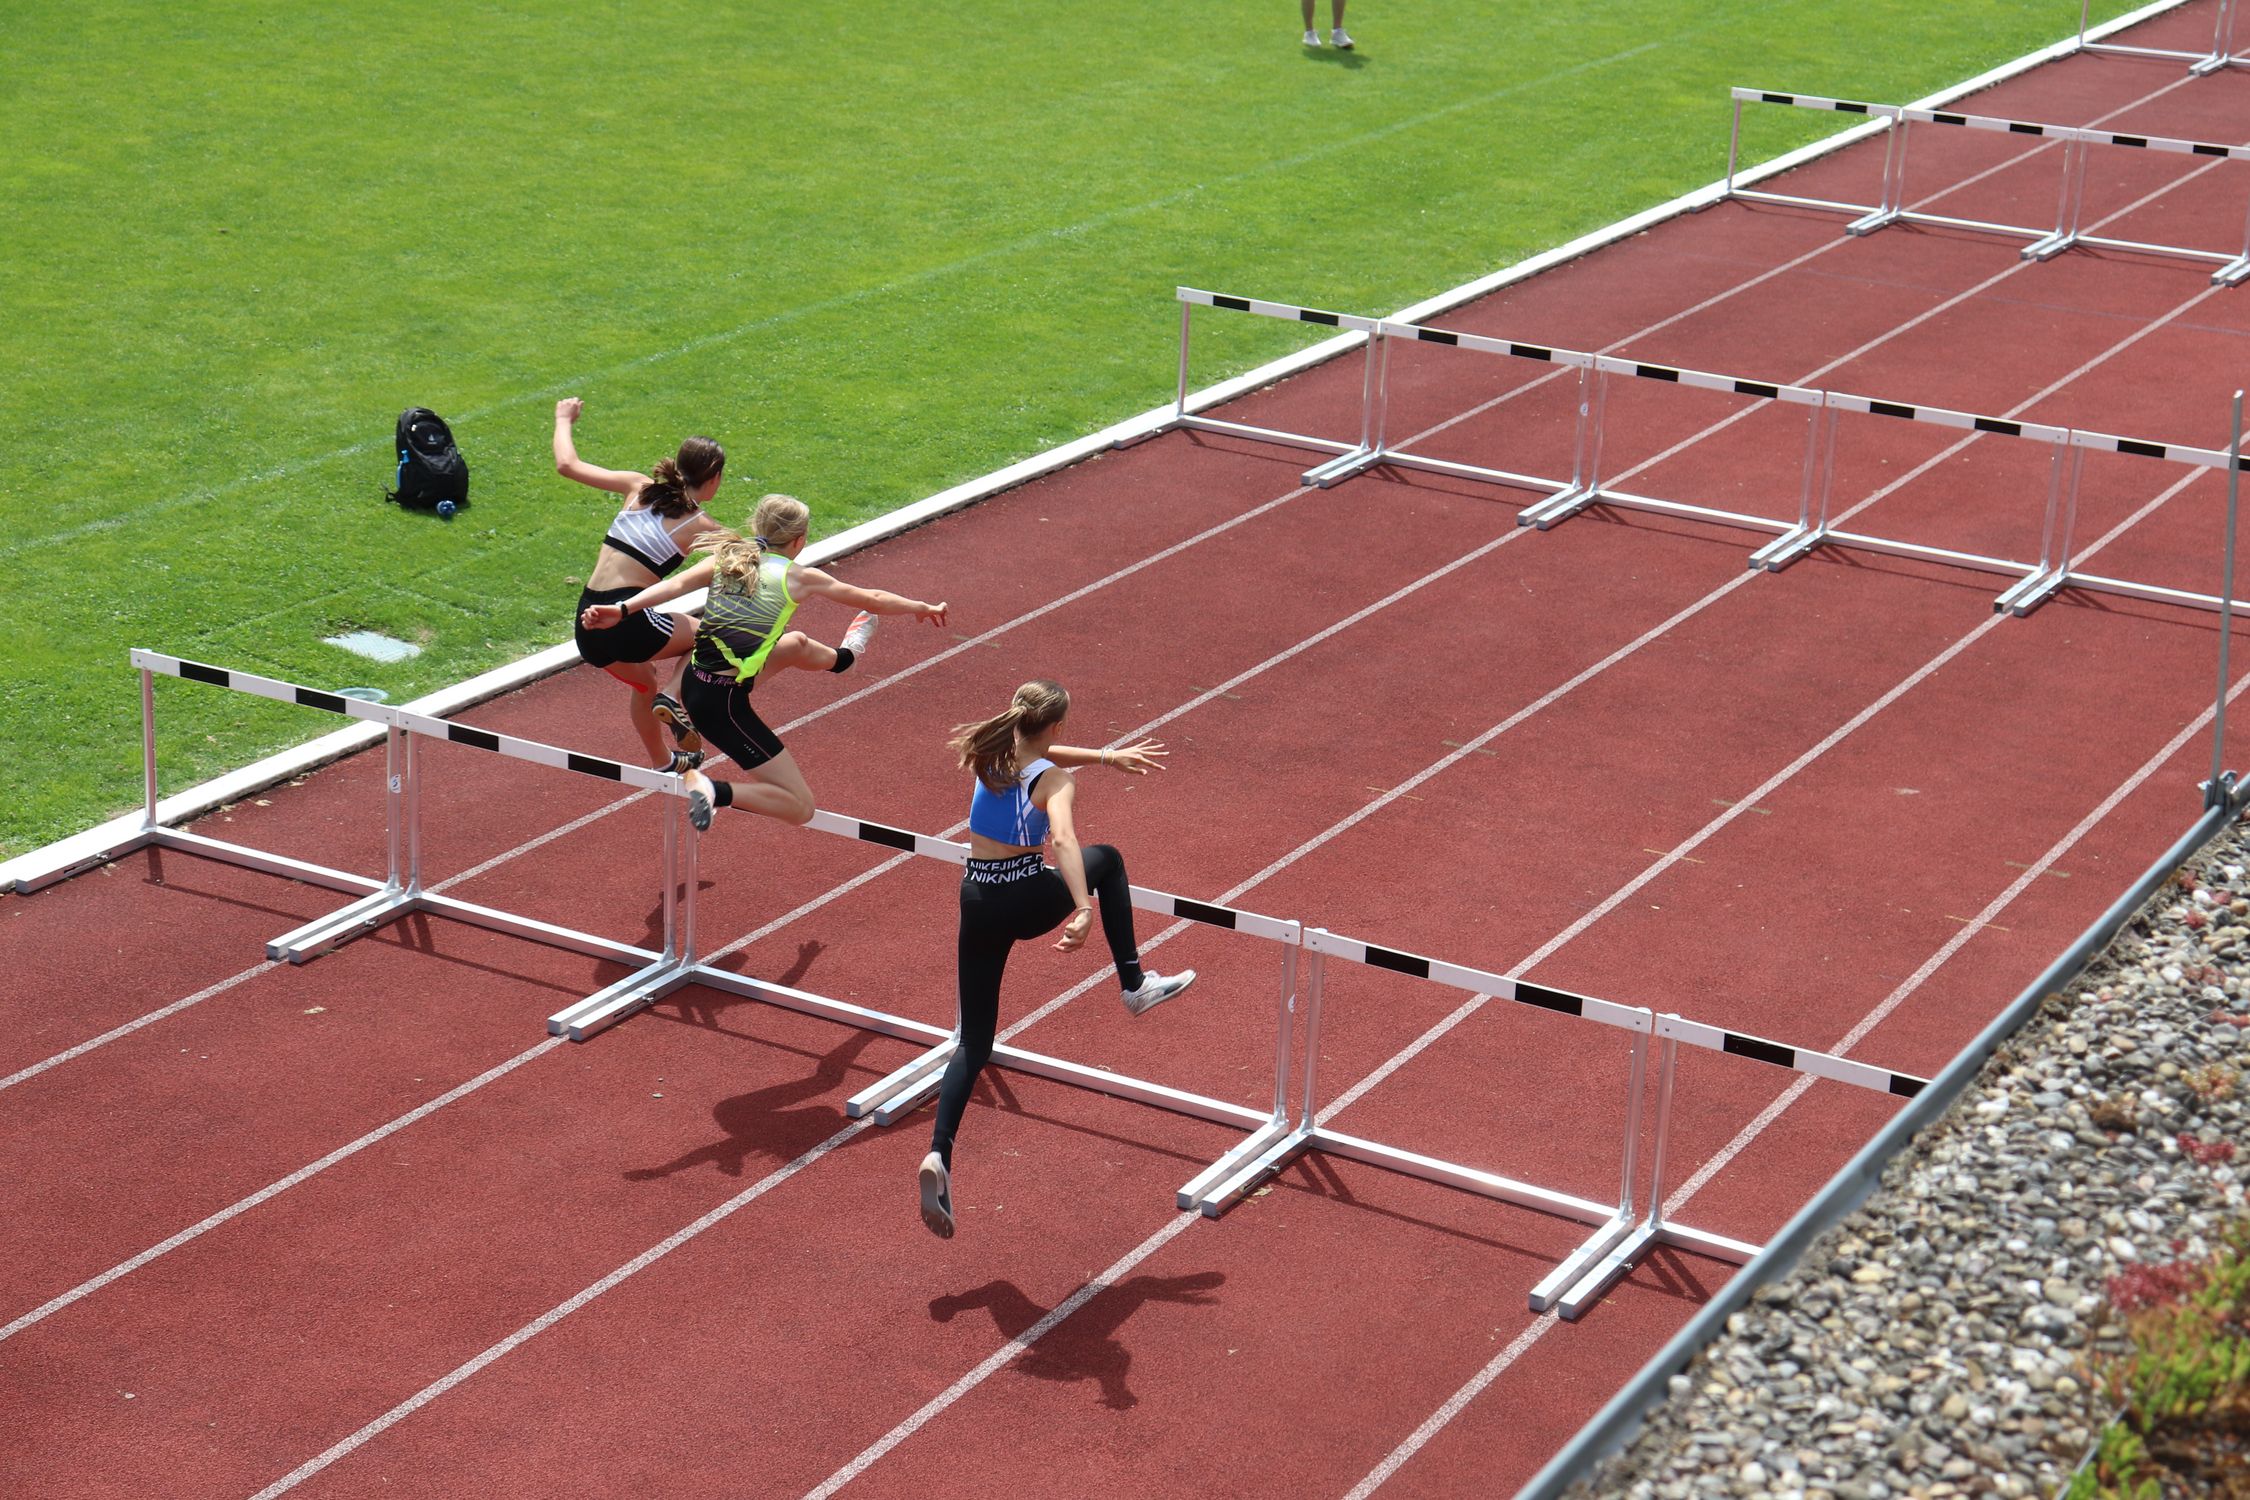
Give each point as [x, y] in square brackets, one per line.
[1817, 101]
[1622, 1017]
[2084, 133]
[413, 723]
[1164, 903]
[262, 687]
[1288, 312]
[541, 754]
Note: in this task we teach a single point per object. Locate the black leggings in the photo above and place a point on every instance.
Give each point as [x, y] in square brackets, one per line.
[1005, 902]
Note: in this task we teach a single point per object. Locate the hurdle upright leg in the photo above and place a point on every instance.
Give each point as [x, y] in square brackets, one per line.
[1605, 1239]
[1216, 1192]
[401, 890]
[1893, 202]
[1585, 485]
[2070, 206]
[673, 968]
[1618, 1261]
[2053, 574]
[1811, 529]
[2222, 43]
[1344, 465]
[1196, 1193]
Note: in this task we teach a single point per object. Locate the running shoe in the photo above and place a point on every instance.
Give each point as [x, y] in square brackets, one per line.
[1156, 989]
[1342, 39]
[863, 631]
[937, 1197]
[1312, 38]
[699, 805]
[672, 716]
[684, 761]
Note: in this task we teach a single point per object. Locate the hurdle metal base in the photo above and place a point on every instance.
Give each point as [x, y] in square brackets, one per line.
[1558, 507]
[1342, 467]
[2026, 595]
[326, 934]
[877, 1096]
[1558, 1282]
[1869, 223]
[1797, 542]
[1607, 1272]
[2233, 273]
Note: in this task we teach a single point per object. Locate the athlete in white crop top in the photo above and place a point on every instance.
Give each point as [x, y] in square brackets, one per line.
[650, 535]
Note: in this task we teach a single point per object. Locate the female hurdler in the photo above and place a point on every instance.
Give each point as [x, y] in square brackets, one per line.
[755, 585]
[1025, 799]
[645, 542]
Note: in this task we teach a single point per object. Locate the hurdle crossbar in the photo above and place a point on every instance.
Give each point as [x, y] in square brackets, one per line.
[401, 891]
[2220, 54]
[2068, 229]
[2031, 582]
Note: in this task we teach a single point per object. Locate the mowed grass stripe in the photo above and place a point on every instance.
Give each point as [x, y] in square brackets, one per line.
[874, 253]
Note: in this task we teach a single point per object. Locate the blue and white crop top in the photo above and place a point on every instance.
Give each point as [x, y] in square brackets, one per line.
[642, 536]
[1010, 817]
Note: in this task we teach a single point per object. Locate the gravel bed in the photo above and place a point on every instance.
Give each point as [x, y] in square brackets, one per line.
[1935, 1341]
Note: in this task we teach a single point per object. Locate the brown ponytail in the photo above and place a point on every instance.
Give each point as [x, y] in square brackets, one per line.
[988, 749]
[672, 496]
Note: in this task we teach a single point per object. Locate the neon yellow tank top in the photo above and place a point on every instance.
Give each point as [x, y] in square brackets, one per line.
[742, 621]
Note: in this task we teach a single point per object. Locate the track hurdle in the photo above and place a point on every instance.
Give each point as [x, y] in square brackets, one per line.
[2069, 228]
[1624, 1230]
[1345, 452]
[2031, 584]
[402, 891]
[2220, 55]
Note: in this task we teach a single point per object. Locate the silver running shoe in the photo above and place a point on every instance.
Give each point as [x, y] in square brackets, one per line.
[1155, 990]
[862, 632]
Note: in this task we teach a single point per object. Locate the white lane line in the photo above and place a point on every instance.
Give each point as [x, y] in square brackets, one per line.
[136, 1024]
[1086, 1292]
[1416, 1440]
[937, 1404]
[244, 1205]
[556, 1314]
[1038, 239]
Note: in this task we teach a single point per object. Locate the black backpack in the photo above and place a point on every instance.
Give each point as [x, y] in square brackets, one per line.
[430, 468]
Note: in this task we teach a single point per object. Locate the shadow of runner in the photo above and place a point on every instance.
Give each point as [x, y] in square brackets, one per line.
[1086, 1346]
[761, 1122]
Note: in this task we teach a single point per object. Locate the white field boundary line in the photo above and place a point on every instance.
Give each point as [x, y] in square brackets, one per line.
[586, 819]
[1089, 1290]
[235, 785]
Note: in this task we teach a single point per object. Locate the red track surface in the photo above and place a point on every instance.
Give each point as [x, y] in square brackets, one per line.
[1805, 806]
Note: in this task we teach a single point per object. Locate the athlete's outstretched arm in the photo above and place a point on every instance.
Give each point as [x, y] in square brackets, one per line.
[874, 601]
[1139, 758]
[571, 466]
[603, 616]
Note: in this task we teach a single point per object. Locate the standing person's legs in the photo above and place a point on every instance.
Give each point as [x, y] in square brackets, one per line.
[1312, 37]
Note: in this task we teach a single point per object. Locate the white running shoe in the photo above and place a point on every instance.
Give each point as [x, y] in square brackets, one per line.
[1312, 38]
[699, 803]
[1342, 39]
[937, 1196]
[863, 631]
[1156, 989]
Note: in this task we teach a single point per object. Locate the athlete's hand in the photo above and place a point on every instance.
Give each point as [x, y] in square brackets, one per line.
[568, 408]
[601, 616]
[1140, 759]
[934, 613]
[1074, 931]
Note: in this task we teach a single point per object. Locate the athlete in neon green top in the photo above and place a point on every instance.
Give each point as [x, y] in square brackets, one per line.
[756, 584]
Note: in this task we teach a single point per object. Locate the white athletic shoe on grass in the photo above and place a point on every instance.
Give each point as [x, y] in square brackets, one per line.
[862, 631]
[1156, 989]
[1312, 38]
[937, 1196]
[1342, 39]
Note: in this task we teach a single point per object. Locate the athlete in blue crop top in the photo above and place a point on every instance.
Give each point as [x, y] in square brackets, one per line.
[647, 540]
[1025, 798]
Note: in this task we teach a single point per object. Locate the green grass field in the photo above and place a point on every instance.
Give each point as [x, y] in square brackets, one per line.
[874, 250]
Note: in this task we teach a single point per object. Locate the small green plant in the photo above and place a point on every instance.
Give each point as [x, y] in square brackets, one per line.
[2183, 1388]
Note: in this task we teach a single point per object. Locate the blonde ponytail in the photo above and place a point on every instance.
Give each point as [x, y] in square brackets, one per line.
[988, 749]
[778, 521]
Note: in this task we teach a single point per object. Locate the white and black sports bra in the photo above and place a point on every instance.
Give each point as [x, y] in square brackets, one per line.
[642, 536]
